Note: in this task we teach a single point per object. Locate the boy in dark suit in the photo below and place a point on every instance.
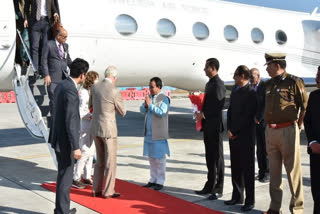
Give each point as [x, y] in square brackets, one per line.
[65, 132]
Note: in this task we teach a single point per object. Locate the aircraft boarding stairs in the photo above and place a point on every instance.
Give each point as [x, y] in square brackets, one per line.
[33, 102]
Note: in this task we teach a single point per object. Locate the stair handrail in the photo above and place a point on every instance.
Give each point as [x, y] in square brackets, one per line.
[28, 54]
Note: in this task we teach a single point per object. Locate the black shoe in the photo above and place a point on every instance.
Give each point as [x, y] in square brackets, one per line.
[158, 187]
[264, 179]
[36, 76]
[73, 211]
[233, 202]
[114, 195]
[149, 184]
[212, 197]
[202, 192]
[247, 207]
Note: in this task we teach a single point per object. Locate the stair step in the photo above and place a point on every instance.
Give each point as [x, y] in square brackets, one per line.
[38, 89]
[45, 110]
[42, 100]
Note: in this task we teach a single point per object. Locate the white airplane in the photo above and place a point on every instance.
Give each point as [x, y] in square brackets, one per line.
[170, 39]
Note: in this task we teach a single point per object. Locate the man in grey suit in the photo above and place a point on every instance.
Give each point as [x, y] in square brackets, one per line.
[39, 15]
[65, 132]
[105, 99]
[55, 59]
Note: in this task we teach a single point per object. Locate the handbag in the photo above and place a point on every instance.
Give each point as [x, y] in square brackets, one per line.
[23, 52]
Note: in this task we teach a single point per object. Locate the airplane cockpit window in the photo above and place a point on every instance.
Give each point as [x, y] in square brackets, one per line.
[126, 25]
[257, 35]
[230, 33]
[281, 37]
[166, 28]
[200, 31]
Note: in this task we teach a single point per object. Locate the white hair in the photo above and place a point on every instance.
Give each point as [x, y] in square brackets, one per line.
[111, 71]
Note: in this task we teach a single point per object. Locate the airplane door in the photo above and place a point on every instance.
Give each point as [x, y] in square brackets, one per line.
[7, 36]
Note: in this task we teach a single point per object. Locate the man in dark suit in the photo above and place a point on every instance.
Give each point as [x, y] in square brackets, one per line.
[212, 127]
[65, 132]
[55, 59]
[39, 15]
[263, 163]
[241, 132]
[312, 128]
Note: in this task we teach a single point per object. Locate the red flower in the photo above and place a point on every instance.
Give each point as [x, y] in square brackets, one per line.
[197, 101]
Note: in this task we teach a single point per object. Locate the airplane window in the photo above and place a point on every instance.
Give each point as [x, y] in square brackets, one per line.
[126, 25]
[257, 35]
[166, 28]
[230, 33]
[281, 37]
[200, 31]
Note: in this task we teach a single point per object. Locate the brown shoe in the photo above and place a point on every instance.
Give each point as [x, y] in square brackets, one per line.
[88, 181]
[78, 184]
[270, 211]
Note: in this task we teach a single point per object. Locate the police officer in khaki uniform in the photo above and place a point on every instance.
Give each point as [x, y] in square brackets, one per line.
[285, 97]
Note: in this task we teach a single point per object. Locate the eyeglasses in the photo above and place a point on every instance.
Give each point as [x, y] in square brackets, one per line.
[64, 37]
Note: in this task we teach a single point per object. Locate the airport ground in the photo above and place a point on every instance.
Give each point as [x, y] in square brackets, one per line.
[25, 164]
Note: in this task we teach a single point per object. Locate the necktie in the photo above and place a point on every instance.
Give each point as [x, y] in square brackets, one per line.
[60, 51]
[38, 14]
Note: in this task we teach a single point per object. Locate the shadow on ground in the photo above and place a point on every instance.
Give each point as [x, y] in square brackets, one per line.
[4, 210]
[16, 137]
[25, 174]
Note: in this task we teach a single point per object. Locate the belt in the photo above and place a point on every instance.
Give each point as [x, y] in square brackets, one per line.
[43, 17]
[281, 125]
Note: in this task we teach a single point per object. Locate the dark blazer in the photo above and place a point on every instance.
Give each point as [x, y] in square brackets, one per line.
[261, 98]
[30, 10]
[242, 109]
[52, 64]
[215, 93]
[312, 117]
[65, 131]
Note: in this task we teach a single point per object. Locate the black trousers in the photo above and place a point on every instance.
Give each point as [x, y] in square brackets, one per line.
[40, 31]
[242, 167]
[315, 181]
[50, 90]
[263, 162]
[64, 182]
[214, 159]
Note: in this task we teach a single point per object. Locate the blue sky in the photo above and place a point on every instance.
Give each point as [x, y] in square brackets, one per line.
[295, 5]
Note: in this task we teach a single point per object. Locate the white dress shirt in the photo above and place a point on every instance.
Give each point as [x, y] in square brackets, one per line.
[44, 11]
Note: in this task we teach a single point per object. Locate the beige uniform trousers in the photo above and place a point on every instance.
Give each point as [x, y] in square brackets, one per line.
[105, 167]
[283, 145]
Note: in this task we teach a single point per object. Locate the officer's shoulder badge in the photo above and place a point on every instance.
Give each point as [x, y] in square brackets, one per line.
[294, 78]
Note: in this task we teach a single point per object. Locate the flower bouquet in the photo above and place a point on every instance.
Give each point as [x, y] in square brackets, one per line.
[197, 100]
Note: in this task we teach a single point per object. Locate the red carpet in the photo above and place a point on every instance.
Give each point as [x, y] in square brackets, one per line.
[134, 199]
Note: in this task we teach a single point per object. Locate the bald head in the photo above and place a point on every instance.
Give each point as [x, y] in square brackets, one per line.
[62, 35]
[254, 76]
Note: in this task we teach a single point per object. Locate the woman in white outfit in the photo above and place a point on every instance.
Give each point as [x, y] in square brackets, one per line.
[84, 165]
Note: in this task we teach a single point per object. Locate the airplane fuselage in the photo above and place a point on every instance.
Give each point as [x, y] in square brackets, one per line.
[125, 33]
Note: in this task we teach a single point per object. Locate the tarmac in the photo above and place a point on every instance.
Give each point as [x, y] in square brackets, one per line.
[25, 163]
